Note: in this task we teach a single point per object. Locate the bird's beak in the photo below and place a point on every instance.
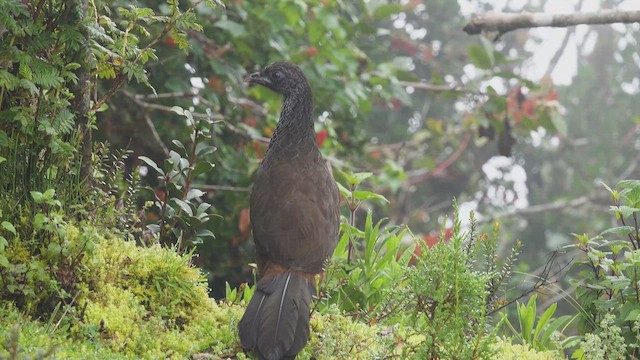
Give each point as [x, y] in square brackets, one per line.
[256, 78]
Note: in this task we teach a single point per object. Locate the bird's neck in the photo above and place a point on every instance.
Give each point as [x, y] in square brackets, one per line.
[295, 127]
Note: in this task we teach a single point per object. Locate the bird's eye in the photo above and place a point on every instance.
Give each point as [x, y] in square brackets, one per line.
[278, 75]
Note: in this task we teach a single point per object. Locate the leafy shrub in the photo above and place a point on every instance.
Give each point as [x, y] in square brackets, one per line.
[40, 257]
[606, 344]
[184, 218]
[449, 294]
[366, 265]
[608, 287]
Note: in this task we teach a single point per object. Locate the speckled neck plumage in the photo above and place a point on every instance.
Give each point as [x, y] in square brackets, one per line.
[294, 131]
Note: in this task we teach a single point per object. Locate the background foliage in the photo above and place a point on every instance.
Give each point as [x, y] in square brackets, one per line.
[90, 90]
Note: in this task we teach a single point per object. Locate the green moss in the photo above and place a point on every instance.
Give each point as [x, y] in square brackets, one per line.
[22, 337]
[336, 336]
[151, 303]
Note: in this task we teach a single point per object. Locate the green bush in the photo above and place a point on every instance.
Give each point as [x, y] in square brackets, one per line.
[608, 287]
[367, 264]
[449, 294]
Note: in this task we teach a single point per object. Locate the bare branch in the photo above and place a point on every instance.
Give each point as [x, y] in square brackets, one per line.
[556, 57]
[545, 279]
[421, 175]
[443, 88]
[505, 22]
[216, 117]
[154, 134]
[207, 187]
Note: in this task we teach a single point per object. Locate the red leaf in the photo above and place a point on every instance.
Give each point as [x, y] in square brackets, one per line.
[321, 136]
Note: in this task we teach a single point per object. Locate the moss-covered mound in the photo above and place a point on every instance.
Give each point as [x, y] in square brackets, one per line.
[132, 302]
[150, 303]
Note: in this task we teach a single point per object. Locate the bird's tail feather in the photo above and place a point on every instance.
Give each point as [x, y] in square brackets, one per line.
[276, 321]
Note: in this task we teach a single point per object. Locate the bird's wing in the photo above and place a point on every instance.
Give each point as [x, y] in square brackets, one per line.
[295, 218]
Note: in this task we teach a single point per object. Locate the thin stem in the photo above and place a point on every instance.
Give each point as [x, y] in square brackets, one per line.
[635, 222]
[163, 211]
[352, 221]
[629, 235]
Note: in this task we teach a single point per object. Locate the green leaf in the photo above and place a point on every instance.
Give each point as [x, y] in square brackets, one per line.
[346, 193]
[369, 237]
[4, 139]
[234, 28]
[54, 249]
[365, 195]
[180, 146]
[625, 210]
[357, 178]
[526, 317]
[634, 315]
[206, 233]
[39, 220]
[9, 227]
[37, 197]
[480, 57]
[203, 149]
[201, 167]
[555, 325]
[194, 193]
[4, 262]
[559, 123]
[151, 164]
[341, 248]
[543, 320]
[48, 194]
[386, 10]
[620, 231]
[628, 184]
[3, 243]
[178, 110]
[203, 208]
[183, 205]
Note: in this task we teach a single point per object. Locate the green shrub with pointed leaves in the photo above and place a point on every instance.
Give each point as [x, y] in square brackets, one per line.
[608, 286]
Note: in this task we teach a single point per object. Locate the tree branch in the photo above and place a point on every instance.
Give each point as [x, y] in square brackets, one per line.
[505, 22]
[420, 176]
[207, 187]
[216, 117]
[444, 88]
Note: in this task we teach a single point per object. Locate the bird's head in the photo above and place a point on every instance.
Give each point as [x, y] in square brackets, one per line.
[281, 77]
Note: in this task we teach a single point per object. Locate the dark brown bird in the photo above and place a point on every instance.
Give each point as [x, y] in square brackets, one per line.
[295, 219]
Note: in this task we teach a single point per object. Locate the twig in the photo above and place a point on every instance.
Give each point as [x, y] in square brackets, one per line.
[154, 134]
[443, 165]
[542, 281]
[173, 95]
[164, 108]
[209, 187]
[117, 84]
[444, 88]
[556, 57]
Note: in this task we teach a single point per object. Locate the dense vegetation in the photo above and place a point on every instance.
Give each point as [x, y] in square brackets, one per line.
[128, 145]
